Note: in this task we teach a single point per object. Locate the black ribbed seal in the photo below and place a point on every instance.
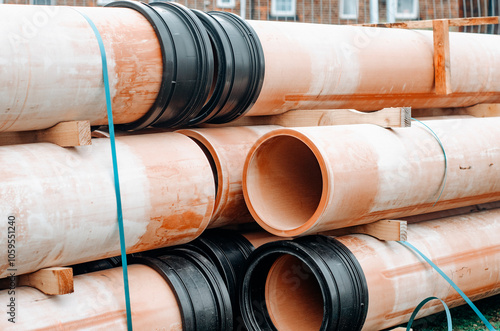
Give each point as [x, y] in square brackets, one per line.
[194, 65]
[188, 64]
[248, 66]
[199, 289]
[337, 271]
[168, 60]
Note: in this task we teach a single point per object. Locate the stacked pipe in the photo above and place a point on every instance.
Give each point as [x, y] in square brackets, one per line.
[358, 282]
[171, 67]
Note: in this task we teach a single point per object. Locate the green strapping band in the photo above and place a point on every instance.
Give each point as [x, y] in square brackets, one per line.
[445, 158]
[462, 294]
[115, 167]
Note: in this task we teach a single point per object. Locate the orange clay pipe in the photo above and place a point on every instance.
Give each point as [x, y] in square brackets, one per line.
[309, 180]
[321, 66]
[64, 205]
[358, 282]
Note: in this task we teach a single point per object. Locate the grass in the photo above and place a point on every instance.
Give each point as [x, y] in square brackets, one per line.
[463, 317]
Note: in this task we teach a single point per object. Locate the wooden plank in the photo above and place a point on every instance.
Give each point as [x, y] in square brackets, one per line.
[481, 110]
[64, 134]
[427, 24]
[387, 117]
[51, 281]
[442, 70]
[388, 230]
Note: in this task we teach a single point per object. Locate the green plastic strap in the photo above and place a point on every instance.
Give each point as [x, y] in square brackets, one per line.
[445, 158]
[462, 294]
[421, 304]
[115, 168]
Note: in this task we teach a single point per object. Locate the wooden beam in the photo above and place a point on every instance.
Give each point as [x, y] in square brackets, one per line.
[427, 24]
[388, 230]
[64, 134]
[442, 70]
[481, 110]
[51, 281]
[387, 117]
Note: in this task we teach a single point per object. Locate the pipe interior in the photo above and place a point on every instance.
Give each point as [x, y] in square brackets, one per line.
[284, 182]
[293, 295]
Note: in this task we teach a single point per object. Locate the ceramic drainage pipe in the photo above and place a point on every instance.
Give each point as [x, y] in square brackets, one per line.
[369, 68]
[308, 180]
[63, 199]
[181, 291]
[358, 282]
[227, 148]
[52, 72]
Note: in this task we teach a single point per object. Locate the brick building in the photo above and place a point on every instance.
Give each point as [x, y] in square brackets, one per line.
[329, 11]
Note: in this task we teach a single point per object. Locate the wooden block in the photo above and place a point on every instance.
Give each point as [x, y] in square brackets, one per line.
[64, 134]
[442, 71]
[51, 281]
[388, 230]
[387, 117]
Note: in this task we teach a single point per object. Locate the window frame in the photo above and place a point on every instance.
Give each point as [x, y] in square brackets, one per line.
[348, 16]
[33, 2]
[281, 13]
[413, 15]
[231, 4]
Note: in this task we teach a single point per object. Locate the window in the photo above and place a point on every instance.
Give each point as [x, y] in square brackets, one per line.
[42, 2]
[226, 3]
[407, 9]
[349, 9]
[283, 8]
[103, 2]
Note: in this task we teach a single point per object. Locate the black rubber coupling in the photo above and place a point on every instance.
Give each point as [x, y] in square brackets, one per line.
[188, 64]
[331, 266]
[240, 66]
[228, 251]
[201, 294]
[93, 266]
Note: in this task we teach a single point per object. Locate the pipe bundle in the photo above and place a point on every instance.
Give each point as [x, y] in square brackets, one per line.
[172, 67]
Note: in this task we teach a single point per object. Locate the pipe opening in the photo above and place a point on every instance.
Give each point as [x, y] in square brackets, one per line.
[293, 295]
[284, 182]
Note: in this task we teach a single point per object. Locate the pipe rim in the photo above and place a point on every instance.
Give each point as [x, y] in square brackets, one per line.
[250, 65]
[341, 263]
[221, 188]
[165, 39]
[327, 184]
